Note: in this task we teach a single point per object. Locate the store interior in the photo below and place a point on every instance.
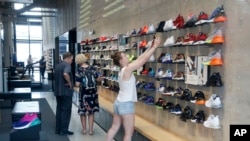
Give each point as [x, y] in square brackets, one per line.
[100, 28]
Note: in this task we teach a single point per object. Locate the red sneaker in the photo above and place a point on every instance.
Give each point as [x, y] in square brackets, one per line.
[179, 22]
[203, 17]
[143, 44]
[189, 39]
[201, 38]
[145, 72]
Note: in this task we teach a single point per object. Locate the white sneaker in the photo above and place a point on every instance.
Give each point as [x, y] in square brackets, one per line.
[212, 122]
[159, 73]
[169, 41]
[151, 29]
[168, 25]
[149, 44]
[152, 58]
[214, 101]
[168, 74]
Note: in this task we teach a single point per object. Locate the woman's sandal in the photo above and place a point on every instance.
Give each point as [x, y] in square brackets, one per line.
[84, 131]
[91, 133]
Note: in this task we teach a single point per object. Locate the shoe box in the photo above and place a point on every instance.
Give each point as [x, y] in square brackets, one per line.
[196, 73]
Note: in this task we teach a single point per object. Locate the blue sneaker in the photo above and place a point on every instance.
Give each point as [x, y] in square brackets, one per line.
[150, 86]
[167, 58]
[150, 100]
[151, 72]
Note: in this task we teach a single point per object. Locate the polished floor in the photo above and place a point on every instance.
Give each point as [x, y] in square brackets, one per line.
[75, 123]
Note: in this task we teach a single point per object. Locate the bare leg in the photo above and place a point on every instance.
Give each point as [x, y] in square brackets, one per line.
[91, 123]
[128, 124]
[83, 121]
[117, 120]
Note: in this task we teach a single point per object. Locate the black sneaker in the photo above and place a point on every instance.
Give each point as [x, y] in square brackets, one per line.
[168, 106]
[214, 80]
[187, 95]
[160, 26]
[199, 95]
[199, 117]
[187, 114]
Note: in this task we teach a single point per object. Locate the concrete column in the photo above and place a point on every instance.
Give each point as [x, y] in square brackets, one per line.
[8, 43]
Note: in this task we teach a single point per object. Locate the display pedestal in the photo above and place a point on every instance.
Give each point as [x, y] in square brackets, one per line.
[28, 134]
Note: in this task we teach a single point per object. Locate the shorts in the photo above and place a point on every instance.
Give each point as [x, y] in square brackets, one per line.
[122, 108]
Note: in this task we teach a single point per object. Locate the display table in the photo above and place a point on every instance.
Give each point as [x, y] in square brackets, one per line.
[22, 93]
[30, 133]
[21, 108]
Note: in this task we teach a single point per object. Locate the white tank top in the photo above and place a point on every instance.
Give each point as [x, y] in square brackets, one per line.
[127, 88]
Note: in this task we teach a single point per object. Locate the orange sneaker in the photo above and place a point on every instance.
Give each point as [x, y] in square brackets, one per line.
[215, 38]
[214, 59]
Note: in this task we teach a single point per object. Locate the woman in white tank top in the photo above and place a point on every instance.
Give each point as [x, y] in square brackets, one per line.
[124, 104]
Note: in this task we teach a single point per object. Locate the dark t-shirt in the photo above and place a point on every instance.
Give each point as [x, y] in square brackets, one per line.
[60, 88]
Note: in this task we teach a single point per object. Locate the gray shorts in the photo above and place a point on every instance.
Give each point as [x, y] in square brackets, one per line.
[122, 108]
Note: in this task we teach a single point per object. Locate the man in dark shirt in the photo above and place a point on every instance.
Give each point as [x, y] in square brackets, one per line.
[63, 93]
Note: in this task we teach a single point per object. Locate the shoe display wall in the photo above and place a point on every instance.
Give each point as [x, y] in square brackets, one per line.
[188, 62]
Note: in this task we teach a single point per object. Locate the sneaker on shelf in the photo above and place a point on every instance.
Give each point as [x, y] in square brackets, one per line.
[161, 57]
[151, 29]
[214, 59]
[133, 32]
[200, 38]
[169, 41]
[152, 58]
[212, 122]
[151, 72]
[179, 41]
[169, 91]
[149, 100]
[159, 103]
[143, 44]
[198, 98]
[168, 106]
[161, 88]
[186, 114]
[145, 72]
[216, 37]
[168, 74]
[178, 76]
[218, 15]
[199, 117]
[160, 26]
[187, 95]
[167, 58]
[213, 102]
[191, 20]
[169, 25]
[149, 44]
[150, 86]
[189, 39]
[179, 58]
[202, 18]
[176, 110]
[144, 30]
[214, 80]
[139, 31]
[178, 92]
[159, 73]
[178, 22]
